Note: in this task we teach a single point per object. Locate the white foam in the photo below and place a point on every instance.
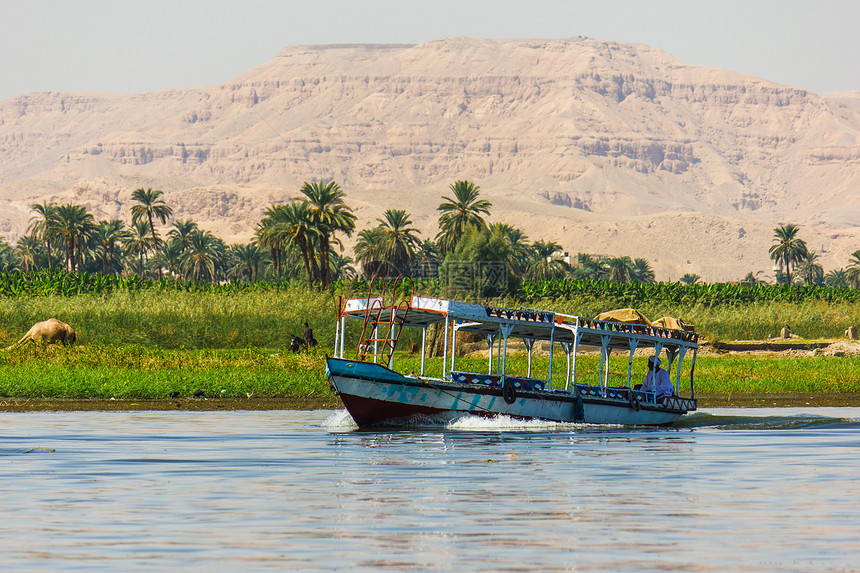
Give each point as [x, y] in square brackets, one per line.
[340, 421]
[502, 423]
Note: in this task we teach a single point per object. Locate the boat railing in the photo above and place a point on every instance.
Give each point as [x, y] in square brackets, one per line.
[642, 329]
[594, 324]
[496, 380]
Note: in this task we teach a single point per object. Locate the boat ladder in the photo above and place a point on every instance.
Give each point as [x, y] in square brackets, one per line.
[383, 322]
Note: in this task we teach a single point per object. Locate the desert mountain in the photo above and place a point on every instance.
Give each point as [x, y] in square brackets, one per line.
[603, 147]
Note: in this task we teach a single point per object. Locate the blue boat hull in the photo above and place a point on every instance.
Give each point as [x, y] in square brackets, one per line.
[375, 395]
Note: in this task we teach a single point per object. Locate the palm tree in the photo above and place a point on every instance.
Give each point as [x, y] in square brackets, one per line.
[426, 259]
[138, 243]
[180, 235]
[330, 214]
[543, 265]
[29, 250]
[690, 279]
[521, 251]
[852, 272]
[181, 232]
[788, 250]
[591, 267]
[286, 225]
[753, 279]
[43, 224]
[810, 269]
[620, 269]
[74, 224]
[248, 256]
[642, 271]
[169, 257]
[459, 214]
[108, 235]
[341, 267]
[836, 278]
[398, 240]
[8, 258]
[367, 251]
[292, 267]
[481, 261]
[150, 206]
[203, 258]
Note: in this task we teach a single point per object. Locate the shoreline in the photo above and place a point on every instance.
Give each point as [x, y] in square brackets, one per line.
[788, 400]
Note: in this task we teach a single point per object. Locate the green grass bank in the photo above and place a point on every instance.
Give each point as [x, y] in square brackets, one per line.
[133, 372]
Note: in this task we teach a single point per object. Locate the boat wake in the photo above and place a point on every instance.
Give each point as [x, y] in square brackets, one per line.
[341, 421]
[722, 419]
[771, 419]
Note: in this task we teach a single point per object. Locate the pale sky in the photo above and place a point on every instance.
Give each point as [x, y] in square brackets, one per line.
[146, 45]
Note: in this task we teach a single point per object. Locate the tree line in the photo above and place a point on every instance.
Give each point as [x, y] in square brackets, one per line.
[301, 240]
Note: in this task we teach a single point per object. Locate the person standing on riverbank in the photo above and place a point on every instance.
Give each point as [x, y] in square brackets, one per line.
[310, 341]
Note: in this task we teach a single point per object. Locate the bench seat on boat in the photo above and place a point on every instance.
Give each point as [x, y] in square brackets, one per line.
[495, 380]
[616, 393]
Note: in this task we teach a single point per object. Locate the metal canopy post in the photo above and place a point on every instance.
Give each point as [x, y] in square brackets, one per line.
[423, 347]
[604, 359]
[682, 351]
[634, 342]
[530, 343]
[567, 346]
[499, 357]
[506, 330]
[490, 339]
[658, 348]
[577, 337]
[692, 368]
[337, 334]
[454, 346]
[551, 344]
[392, 335]
[445, 350]
[670, 355]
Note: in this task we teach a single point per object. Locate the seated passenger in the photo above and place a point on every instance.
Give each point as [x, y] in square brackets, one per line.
[657, 380]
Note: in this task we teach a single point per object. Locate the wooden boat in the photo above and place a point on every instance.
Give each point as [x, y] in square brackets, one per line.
[375, 393]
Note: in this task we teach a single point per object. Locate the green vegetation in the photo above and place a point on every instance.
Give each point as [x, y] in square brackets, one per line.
[176, 318]
[148, 373]
[156, 316]
[135, 372]
[299, 240]
[173, 314]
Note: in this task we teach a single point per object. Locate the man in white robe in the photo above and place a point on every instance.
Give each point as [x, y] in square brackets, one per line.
[657, 380]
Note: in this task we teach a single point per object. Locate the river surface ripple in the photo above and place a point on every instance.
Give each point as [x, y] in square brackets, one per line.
[725, 490]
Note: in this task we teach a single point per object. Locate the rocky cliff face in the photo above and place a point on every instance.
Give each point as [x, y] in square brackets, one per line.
[562, 136]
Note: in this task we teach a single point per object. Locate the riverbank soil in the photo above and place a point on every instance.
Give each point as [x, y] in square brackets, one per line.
[851, 399]
[188, 404]
[847, 399]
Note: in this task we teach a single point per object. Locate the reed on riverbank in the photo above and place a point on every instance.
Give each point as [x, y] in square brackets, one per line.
[266, 318]
[177, 319]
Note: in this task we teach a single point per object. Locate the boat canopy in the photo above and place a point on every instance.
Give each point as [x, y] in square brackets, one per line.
[524, 323]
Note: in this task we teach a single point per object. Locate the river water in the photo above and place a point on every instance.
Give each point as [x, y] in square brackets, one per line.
[725, 490]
